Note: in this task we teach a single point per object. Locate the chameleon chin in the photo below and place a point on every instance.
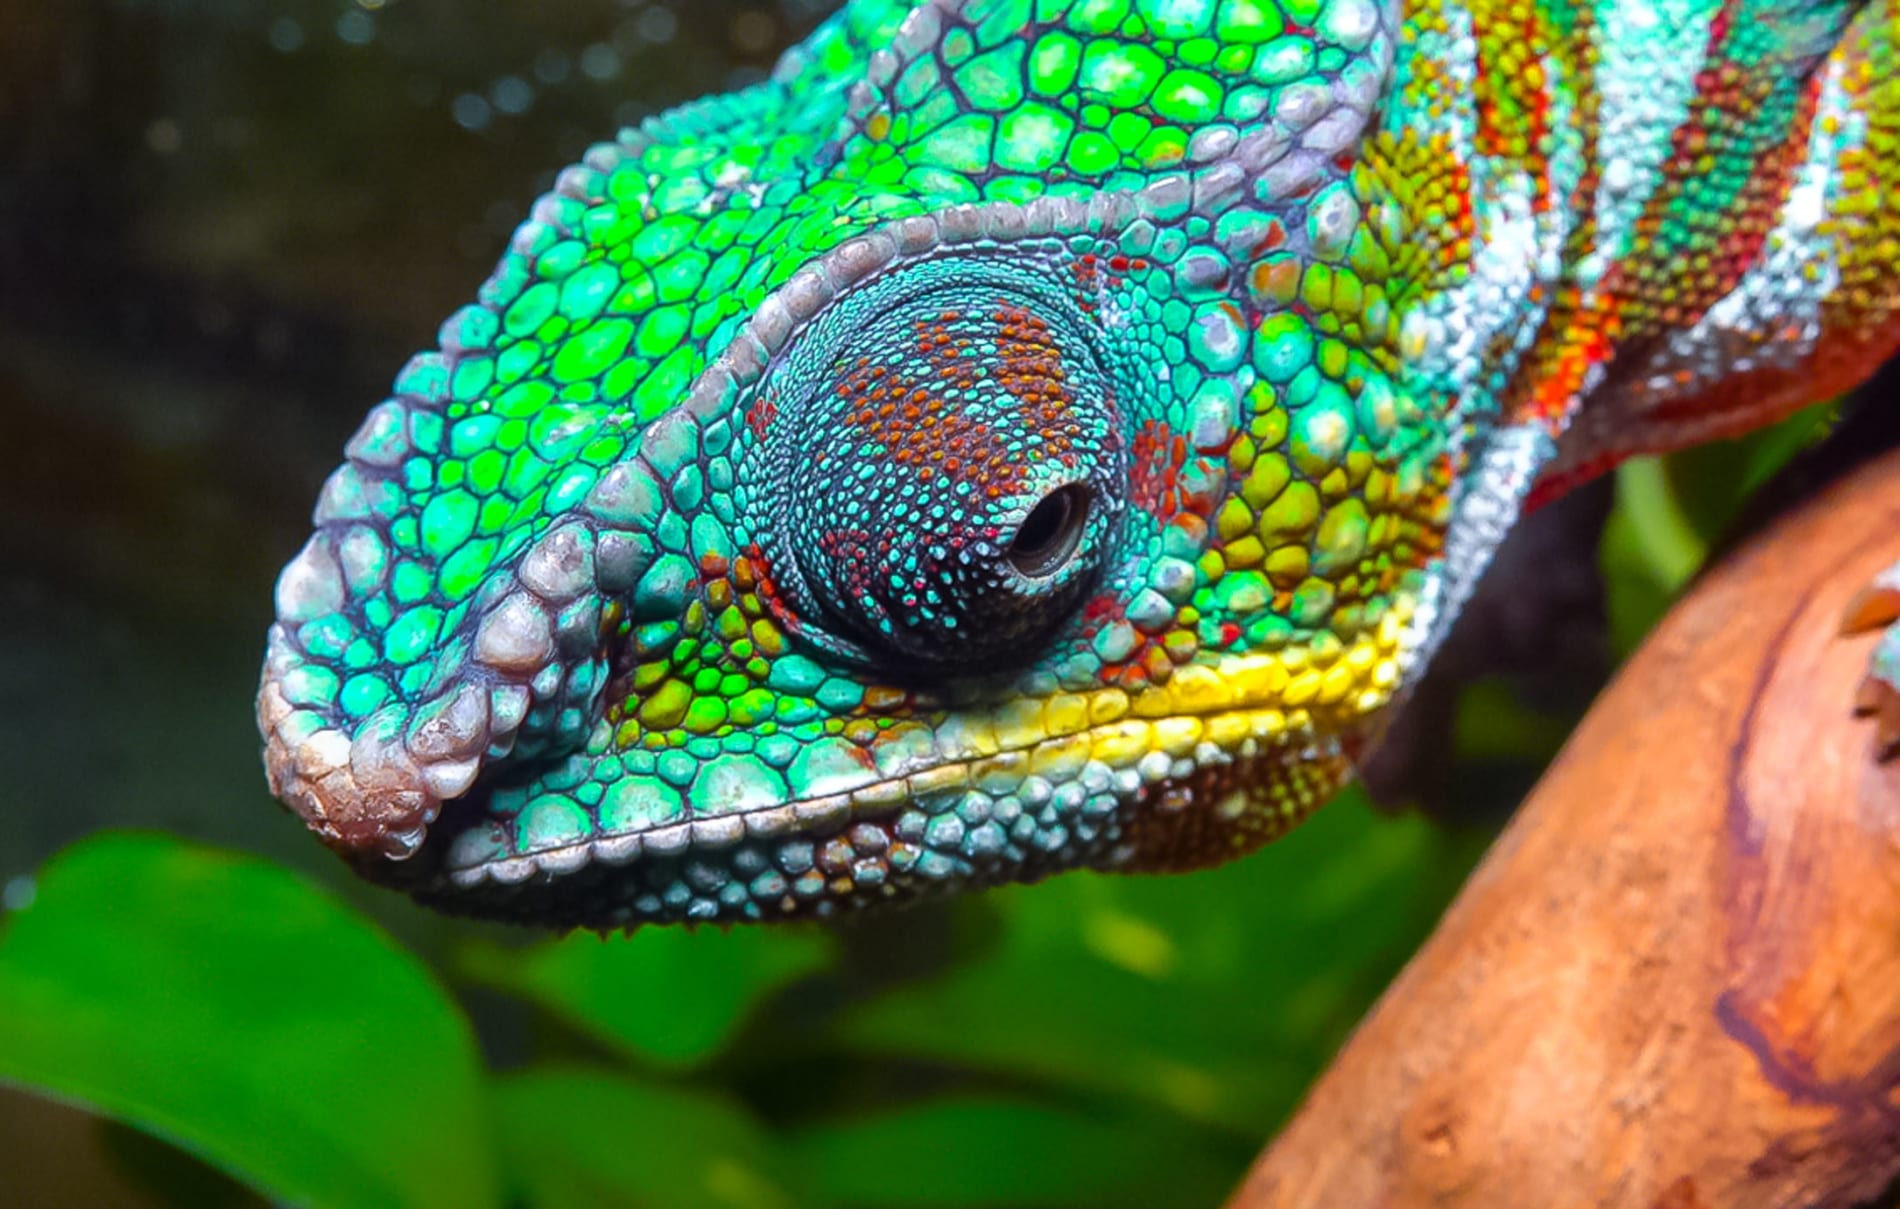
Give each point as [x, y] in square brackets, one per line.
[1028, 434]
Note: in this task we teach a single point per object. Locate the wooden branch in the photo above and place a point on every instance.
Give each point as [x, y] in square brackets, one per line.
[1675, 981]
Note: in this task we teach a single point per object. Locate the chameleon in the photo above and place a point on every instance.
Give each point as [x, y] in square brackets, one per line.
[1024, 435]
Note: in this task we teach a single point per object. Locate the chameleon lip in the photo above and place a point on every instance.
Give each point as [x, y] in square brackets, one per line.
[1189, 795]
[1207, 721]
[1147, 751]
[375, 795]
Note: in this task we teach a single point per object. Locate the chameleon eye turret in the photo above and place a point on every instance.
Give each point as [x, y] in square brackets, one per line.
[1031, 434]
[951, 478]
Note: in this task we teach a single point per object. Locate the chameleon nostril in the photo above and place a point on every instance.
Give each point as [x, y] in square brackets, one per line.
[1051, 533]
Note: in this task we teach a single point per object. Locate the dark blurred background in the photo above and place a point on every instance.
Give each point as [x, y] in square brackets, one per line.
[225, 223]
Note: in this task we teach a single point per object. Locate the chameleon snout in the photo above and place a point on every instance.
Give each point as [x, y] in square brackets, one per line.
[368, 733]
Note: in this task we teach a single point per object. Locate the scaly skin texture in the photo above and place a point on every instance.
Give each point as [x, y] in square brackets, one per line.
[1027, 434]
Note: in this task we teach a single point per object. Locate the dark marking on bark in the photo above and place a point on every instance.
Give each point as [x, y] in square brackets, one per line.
[1868, 1119]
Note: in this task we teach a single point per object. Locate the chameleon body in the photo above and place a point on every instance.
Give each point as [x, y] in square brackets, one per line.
[1029, 434]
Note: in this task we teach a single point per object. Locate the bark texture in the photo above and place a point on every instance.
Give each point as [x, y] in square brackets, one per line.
[1675, 981]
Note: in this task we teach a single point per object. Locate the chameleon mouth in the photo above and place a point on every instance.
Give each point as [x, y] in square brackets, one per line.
[1140, 753]
[1224, 753]
[1296, 708]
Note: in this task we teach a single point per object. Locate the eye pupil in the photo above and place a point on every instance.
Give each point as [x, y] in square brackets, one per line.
[1051, 532]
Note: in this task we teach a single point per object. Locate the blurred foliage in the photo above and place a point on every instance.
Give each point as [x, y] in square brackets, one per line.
[958, 1150]
[1670, 512]
[1212, 997]
[587, 1136]
[606, 986]
[225, 1003]
[1095, 1041]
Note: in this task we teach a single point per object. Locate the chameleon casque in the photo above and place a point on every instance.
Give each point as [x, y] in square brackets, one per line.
[1029, 434]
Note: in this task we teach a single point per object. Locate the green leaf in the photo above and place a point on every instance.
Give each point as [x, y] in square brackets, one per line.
[972, 1152]
[674, 996]
[1670, 511]
[1665, 537]
[583, 1138]
[1217, 995]
[233, 1008]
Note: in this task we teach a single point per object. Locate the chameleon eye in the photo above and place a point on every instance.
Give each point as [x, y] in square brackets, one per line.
[1048, 537]
[949, 478]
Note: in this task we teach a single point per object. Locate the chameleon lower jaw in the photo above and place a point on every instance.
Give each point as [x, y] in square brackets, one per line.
[1190, 772]
[874, 847]
[1145, 754]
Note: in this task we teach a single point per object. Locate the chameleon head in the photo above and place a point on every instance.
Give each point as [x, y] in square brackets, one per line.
[977, 452]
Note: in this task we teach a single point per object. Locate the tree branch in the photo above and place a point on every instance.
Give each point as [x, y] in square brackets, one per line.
[1675, 981]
